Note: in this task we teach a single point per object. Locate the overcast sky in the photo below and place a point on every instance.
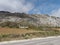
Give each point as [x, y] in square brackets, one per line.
[51, 7]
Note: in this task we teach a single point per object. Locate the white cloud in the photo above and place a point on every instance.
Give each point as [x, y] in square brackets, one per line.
[37, 11]
[55, 13]
[15, 6]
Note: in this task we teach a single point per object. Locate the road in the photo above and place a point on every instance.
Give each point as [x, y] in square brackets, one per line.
[46, 41]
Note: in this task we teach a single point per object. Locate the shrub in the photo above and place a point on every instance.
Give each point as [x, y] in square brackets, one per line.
[9, 24]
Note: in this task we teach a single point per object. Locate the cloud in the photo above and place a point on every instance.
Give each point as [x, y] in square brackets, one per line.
[55, 13]
[15, 6]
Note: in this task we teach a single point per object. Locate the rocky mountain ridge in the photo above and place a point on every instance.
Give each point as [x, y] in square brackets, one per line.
[27, 19]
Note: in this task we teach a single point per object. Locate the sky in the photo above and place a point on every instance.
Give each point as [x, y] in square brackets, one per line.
[50, 7]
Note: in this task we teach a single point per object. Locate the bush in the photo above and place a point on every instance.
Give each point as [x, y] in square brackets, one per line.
[9, 24]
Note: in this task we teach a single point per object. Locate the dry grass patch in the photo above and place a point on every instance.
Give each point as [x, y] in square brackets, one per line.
[7, 34]
[15, 31]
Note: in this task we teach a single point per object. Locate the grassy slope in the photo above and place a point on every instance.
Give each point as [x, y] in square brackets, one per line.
[16, 33]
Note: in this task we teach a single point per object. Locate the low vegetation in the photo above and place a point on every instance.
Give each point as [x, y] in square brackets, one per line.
[7, 34]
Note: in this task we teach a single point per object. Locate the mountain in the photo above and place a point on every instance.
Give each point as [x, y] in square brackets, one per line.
[29, 19]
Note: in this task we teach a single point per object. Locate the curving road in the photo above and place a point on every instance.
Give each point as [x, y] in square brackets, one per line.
[45, 41]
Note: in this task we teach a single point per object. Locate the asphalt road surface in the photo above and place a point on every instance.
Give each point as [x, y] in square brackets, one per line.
[46, 41]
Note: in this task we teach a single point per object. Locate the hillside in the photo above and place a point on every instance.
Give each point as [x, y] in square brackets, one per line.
[16, 26]
[27, 19]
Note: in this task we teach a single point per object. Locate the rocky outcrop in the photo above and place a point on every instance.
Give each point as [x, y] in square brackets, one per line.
[34, 19]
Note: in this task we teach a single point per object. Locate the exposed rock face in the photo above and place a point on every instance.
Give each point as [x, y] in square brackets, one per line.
[37, 20]
[46, 20]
